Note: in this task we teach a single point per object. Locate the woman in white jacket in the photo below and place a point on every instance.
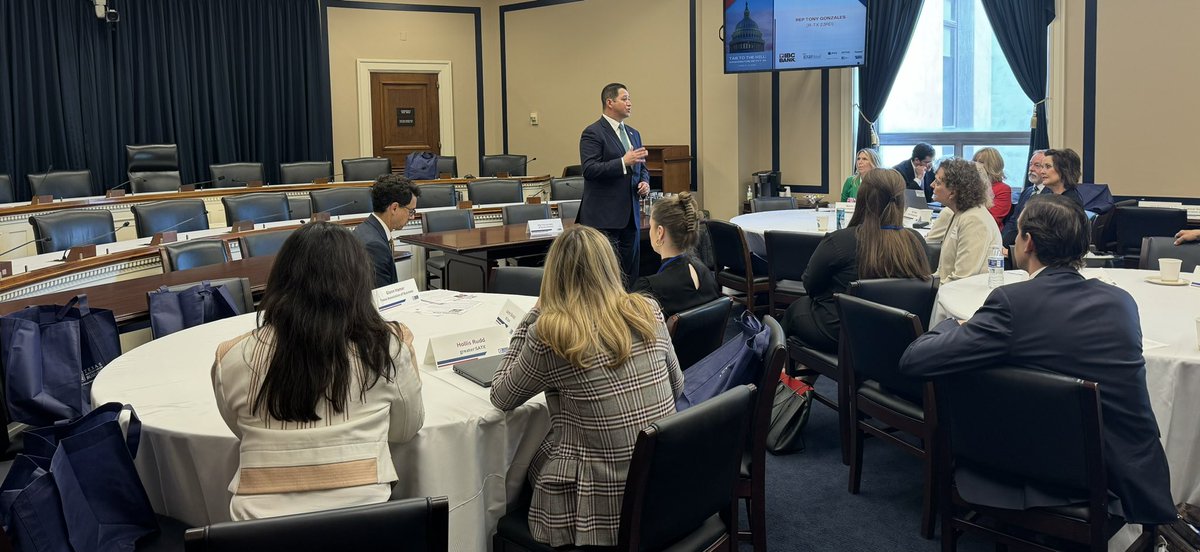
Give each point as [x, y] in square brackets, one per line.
[971, 232]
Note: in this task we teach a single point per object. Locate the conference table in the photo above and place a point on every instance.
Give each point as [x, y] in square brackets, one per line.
[467, 450]
[755, 225]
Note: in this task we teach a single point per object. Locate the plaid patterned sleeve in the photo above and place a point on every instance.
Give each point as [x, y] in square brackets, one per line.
[522, 373]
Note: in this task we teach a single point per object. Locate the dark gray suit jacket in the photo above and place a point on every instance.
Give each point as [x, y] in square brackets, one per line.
[609, 195]
[905, 169]
[1062, 323]
[379, 249]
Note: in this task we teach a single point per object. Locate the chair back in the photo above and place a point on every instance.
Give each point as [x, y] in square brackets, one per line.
[437, 195]
[62, 184]
[238, 288]
[6, 189]
[341, 201]
[774, 361]
[416, 524]
[933, 252]
[365, 168]
[67, 229]
[493, 165]
[516, 280]
[907, 294]
[179, 215]
[987, 430]
[483, 192]
[683, 471]
[154, 181]
[186, 255]
[572, 170]
[729, 247]
[760, 204]
[698, 331]
[1155, 248]
[261, 244]
[520, 214]
[233, 175]
[257, 208]
[305, 172]
[151, 158]
[1135, 223]
[447, 164]
[449, 219]
[566, 188]
[568, 210]
[877, 336]
[788, 253]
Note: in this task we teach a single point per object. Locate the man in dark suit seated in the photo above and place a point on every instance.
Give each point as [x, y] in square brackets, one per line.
[1039, 324]
[1009, 232]
[918, 170]
[393, 202]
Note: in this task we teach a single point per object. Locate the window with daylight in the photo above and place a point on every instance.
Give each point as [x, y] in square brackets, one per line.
[956, 91]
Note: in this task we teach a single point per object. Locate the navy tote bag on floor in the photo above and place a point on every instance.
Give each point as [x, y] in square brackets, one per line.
[171, 311]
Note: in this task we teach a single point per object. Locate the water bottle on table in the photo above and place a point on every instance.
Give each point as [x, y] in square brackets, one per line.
[995, 267]
[840, 216]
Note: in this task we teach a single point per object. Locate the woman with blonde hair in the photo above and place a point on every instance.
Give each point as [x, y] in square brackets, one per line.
[971, 231]
[865, 160]
[605, 362]
[682, 281]
[993, 166]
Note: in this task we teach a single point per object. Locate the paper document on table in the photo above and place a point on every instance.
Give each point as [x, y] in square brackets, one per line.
[1148, 344]
[443, 296]
[442, 302]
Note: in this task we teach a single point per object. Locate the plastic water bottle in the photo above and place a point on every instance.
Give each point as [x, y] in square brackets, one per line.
[995, 268]
[840, 217]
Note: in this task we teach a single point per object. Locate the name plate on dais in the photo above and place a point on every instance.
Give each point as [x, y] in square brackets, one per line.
[544, 228]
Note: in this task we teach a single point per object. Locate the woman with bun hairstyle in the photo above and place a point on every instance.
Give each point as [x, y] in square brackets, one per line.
[682, 281]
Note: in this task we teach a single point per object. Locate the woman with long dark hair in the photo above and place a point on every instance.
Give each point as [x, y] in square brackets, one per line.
[875, 244]
[322, 386]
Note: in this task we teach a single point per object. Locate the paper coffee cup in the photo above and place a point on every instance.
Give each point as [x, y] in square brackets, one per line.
[822, 224]
[1168, 269]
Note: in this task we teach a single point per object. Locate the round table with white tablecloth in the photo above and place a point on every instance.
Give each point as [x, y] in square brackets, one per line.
[1169, 333]
[467, 450]
[756, 225]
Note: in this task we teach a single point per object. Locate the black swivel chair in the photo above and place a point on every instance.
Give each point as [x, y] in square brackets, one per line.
[520, 214]
[760, 204]
[341, 201]
[566, 188]
[907, 294]
[67, 229]
[233, 175]
[152, 167]
[256, 208]
[484, 192]
[698, 331]
[62, 184]
[1157, 248]
[787, 258]
[572, 170]
[494, 165]
[516, 280]
[1134, 223]
[155, 181]
[680, 485]
[365, 168]
[190, 254]
[437, 195]
[568, 210]
[734, 264]
[261, 244]
[448, 165]
[416, 524]
[178, 215]
[442, 221]
[6, 190]
[305, 172]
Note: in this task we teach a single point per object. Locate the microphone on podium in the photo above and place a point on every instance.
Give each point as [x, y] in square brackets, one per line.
[95, 239]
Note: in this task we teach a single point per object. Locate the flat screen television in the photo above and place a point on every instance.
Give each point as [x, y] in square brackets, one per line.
[784, 35]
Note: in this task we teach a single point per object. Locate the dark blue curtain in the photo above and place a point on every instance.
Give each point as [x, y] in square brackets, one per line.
[226, 80]
[890, 27]
[1021, 29]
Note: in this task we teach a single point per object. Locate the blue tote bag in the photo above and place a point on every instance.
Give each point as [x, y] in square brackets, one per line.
[171, 311]
[50, 355]
[738, 362]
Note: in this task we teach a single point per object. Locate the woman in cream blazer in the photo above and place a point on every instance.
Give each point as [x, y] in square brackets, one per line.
[971, 231]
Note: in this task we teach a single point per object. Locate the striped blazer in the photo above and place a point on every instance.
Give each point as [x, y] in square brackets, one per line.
[578, 473]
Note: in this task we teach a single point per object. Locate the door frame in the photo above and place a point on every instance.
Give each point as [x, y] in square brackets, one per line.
[364, 68]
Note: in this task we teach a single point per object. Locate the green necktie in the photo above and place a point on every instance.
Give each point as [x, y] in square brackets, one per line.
[624, 137]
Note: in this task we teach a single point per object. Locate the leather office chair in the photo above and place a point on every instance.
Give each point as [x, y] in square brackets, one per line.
[760, 204]
[62, 184]
[186, 255]
[179, 215]
[681, 480]
[1134, 223]
[151, 158]
[520, 214]
[156, 181]
[341, 201]
[907, 294]
[437, 195]
[752, 482]
[305, 172]
[1157, 248]
[67, 229]
[233, 175]
[1020, 447]
[447, 164]
[239, 289]
[417, 524]
[566, 188]
[256, 208]
[568, 210]
[365, 168]
[572, 170]
[516, 280]
[787, 258]
[735, 268]
[442, 221]
[6, 190]
[261, 244]
[483, 192]
[698, 331]
[933, 251]
[876, 337]
[493, 165]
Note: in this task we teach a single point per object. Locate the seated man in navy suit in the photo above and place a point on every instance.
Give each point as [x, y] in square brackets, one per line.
[1040, 324]
[1008, 234]
[918, 171]
[393, 203]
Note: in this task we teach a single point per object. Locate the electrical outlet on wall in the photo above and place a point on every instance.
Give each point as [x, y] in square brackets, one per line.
[533, 118]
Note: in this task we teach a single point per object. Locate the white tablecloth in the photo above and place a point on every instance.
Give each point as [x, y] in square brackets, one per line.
[792, 220]
[468, 450]
[1168, 316]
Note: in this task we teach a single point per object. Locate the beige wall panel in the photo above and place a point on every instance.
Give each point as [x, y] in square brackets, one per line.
[800, 127]
[1072, 13]
[754, 124]
[722, 178]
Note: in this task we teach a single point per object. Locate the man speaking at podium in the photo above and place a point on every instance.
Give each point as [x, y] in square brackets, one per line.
[614, 175]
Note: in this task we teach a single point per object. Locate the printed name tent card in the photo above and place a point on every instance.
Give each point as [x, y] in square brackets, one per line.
[544, 228]
[510, 315]
[395, 295]
[447, 350]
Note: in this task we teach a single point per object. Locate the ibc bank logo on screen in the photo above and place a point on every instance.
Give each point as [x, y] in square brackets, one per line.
[787, 57]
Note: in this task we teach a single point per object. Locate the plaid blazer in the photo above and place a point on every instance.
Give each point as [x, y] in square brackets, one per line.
[578, 473]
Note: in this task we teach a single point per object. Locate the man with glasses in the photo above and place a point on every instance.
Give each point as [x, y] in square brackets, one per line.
[1009, 233]
[918, 171]
[393, 202]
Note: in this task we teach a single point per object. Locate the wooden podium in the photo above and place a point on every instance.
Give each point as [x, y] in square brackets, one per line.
[670, 168]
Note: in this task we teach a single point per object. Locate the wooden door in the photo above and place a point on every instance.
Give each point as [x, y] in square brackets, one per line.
[404, 109]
